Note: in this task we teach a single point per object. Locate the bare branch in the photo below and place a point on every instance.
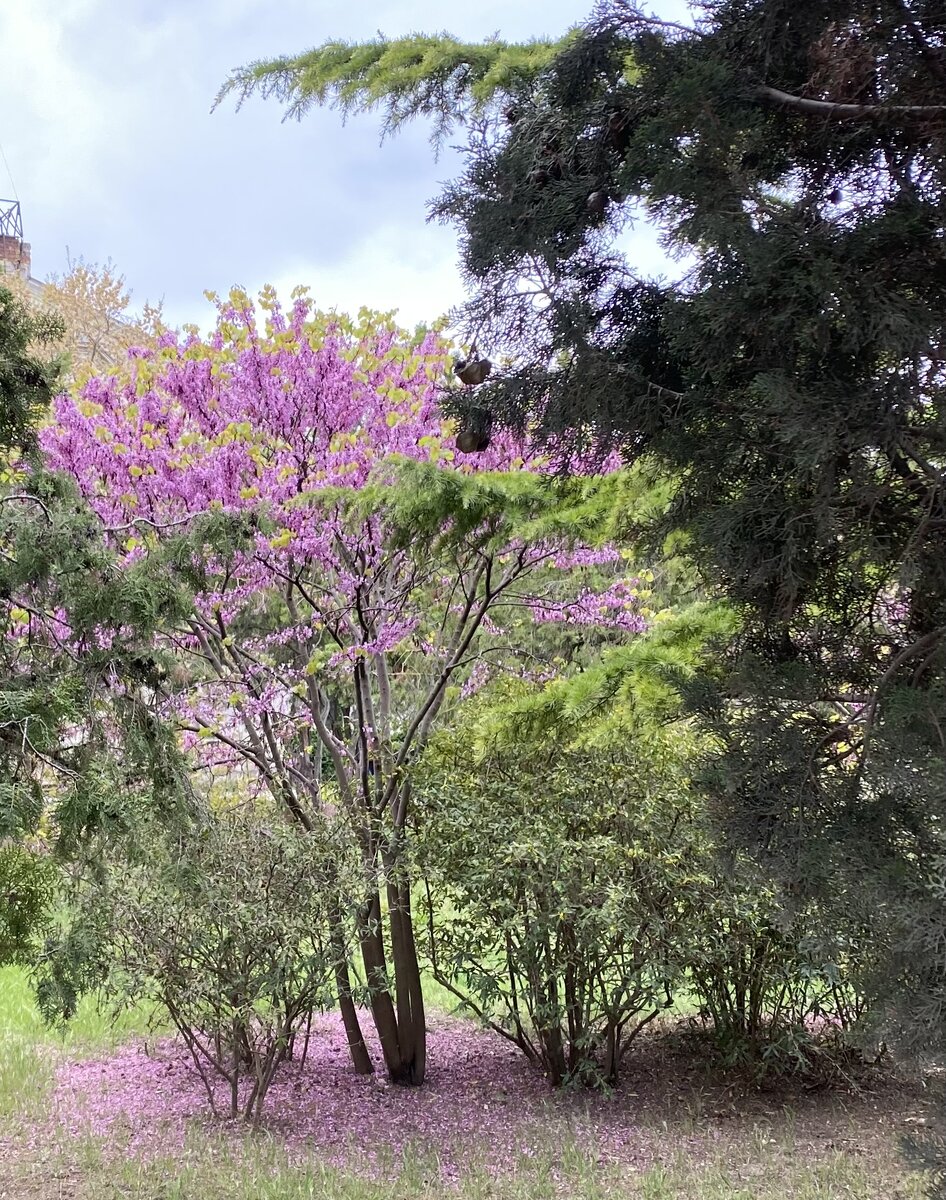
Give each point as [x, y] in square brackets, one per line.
[27, 496]
[847, 112]
[159, 525]
[631, 15]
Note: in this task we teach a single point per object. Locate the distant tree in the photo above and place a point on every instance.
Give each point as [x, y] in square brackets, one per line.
[97, 325]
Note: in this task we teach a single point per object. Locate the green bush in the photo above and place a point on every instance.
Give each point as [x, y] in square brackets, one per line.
[562, 889]
[574, 891]
[229, 927]
[774, 985]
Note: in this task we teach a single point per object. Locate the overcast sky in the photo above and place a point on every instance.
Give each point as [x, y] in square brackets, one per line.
[106, 127]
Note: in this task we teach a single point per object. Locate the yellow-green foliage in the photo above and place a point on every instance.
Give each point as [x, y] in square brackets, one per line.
[633, 687]
[417, 75]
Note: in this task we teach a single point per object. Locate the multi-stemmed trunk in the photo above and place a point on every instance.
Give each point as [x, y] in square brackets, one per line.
[399, 1020]
[409, 996]
[371, 786]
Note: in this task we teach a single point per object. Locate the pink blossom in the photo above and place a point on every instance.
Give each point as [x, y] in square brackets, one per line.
[270, 424]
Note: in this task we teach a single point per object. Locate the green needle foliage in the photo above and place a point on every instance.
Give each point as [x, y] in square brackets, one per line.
[81, 751]
[437, 77]
[25, 378]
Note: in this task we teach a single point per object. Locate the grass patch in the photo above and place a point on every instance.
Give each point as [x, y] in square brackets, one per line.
[19, 1016]
[217, 1169]
[25, 1067]
[95, 1026]
[25, 1077]
[689, 1144]
[838, 1177]
[29, 1048]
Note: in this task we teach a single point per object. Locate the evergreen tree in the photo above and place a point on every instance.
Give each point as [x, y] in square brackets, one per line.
[76, 757]
[25, 379]
[792, 383]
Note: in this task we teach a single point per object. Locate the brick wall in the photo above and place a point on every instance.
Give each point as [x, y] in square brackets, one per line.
[14, 255]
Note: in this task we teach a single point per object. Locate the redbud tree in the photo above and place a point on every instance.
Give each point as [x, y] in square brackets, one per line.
[350, 574]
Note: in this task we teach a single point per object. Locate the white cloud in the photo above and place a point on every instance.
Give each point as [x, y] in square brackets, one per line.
[52, 118]
[412, 271]
[73, 119]
[104, 116]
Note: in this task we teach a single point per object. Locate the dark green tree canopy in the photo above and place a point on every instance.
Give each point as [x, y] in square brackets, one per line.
[26, 379]
[795, 152]
[79, 745]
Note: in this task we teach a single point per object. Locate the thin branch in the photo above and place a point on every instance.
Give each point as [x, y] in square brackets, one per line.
[158, 525]
[630, 14]
[922, 462]
[927, 53]
[927, 642]
[846, 112]
[27, 496]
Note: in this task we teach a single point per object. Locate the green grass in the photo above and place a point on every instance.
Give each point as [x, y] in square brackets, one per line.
[772, 1160]
[839, 1176]
[95, 1026]
[213, 1169]
[19, 1016]
[29, 1048]
[25, 1070]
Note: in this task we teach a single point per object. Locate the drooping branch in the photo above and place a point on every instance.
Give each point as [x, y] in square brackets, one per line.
[626, 13]
[31, 498]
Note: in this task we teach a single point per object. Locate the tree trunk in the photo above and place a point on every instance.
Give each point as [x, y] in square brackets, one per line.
[402, 1030]
[376, 973]
[553, 1047]
[551, 1031]
[411, 1021]
[360, 1058]
[612, 1056]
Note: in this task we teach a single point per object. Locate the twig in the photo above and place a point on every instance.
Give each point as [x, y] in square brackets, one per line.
[159, 525]
[27, 496]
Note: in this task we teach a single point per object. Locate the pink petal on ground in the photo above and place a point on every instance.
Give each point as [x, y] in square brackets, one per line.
[482, 1105]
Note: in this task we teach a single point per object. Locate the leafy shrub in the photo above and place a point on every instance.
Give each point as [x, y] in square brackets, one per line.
[562, 885]
[230, 929]
[574, 889]
[774, 985]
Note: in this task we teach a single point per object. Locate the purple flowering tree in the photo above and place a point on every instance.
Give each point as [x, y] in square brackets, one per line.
[378, 574]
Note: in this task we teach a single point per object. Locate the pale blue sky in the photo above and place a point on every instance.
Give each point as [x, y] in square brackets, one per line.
[106, 125]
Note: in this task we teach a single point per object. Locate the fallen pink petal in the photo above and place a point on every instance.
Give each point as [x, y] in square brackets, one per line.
[482, 1105]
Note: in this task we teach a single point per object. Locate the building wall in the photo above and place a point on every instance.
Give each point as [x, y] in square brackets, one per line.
[15, 260]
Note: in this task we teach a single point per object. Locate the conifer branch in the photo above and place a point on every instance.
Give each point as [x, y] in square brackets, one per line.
[933, 60]
[846, 112]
